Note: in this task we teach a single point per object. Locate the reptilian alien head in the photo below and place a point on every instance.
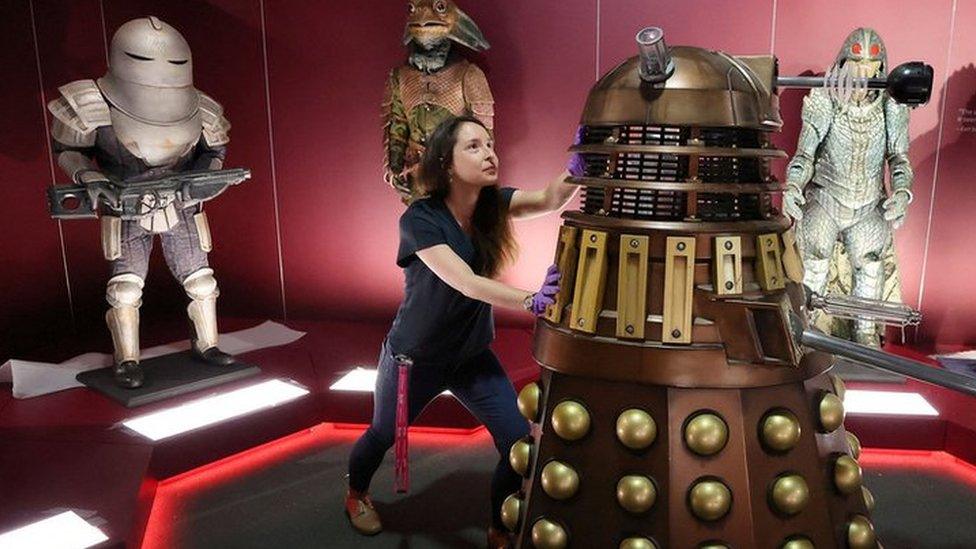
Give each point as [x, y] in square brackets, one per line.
[431, 22]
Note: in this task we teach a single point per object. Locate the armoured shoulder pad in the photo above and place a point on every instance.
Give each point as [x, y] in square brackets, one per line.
[477, 94]
[895, 111]
[215, 126]
[818, 108]
[896, 126]
[79, 111]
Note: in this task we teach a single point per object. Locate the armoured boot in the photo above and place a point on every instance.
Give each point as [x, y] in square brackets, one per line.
[201, 287]
[868, 283]
[124, 294]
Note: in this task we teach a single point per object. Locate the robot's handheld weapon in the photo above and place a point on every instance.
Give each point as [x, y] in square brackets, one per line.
[909, 83]
[136, 199]
[859, 308]
[880, 360]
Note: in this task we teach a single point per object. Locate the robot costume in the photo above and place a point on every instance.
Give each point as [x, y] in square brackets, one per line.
[144, 119]
[433, 86]
[842, 149]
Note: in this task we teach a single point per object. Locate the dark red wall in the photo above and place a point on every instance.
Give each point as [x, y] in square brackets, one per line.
[313, 234]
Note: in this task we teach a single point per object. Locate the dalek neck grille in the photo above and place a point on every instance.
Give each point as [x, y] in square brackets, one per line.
[625, 163]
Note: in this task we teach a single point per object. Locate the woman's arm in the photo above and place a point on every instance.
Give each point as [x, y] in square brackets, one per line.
[527, 204]
[450, 268]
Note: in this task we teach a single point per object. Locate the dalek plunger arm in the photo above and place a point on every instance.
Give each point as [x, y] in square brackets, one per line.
[909, 83]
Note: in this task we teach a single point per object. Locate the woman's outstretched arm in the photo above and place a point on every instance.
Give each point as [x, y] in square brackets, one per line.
[528, 204]
[450, 268]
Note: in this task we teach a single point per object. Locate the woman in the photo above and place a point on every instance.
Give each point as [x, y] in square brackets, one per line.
[451, 245]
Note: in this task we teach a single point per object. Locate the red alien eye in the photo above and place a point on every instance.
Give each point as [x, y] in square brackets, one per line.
[856, 48]
[875, 50]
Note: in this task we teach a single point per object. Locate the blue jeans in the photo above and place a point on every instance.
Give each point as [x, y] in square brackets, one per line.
[482, 387]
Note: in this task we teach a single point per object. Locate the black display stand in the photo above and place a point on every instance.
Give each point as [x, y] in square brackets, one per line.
[167, 376]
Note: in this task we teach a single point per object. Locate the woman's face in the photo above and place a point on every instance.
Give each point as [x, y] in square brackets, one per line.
[474, 159]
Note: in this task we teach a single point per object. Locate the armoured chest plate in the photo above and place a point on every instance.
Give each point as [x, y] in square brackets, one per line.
[851, 164]
[157, 145]
[442, 88]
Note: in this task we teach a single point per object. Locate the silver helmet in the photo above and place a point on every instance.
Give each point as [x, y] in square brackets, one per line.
[150, 74]
[864, 45]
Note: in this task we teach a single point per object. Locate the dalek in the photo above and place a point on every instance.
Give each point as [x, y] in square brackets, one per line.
[683, 400]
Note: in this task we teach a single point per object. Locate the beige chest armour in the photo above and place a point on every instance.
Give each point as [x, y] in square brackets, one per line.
[156, 145]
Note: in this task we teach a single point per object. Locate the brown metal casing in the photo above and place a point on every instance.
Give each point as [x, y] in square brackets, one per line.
[681, 309]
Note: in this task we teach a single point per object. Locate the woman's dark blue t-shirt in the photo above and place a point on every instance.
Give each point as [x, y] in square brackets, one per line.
[436, 322]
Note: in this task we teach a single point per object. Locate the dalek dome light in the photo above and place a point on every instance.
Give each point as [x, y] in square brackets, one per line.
[706, 89]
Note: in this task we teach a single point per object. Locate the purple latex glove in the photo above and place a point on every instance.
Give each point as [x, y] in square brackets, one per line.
[547, 294]
[576, 165]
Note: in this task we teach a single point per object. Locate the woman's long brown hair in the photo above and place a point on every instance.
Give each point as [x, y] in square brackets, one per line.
[491, 225]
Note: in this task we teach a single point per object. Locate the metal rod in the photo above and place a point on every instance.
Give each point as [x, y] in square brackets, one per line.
[821, 82]
[888, 362]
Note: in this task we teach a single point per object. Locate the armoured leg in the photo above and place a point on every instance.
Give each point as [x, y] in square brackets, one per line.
[816, 234]
[201, 287]
[865, 242]
[124, 294]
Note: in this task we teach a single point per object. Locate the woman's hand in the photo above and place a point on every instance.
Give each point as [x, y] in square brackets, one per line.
[547, 294]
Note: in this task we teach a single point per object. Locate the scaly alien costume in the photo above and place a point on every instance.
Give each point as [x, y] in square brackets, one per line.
[435, 84]
[841, 153]
[143, 119]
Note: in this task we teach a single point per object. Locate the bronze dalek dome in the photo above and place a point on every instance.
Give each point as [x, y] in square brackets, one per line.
[676, 406]
[707, 88]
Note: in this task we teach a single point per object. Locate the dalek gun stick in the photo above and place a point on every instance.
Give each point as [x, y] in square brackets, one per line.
[881, 360]
[136, 198]
[862, 308]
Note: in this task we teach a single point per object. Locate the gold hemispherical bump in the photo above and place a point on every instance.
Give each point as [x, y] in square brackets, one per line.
[520, 456]
[868, 498]
[559, 481]
[570, 420]
[528, 401]
[847, 474]
[637, 543]
[713, 545]
[710, 499]
[636, 429]
[511, 512]
[636, 493]
[706, 434]
[831, 412]
[838, 384]
[860, 533]
[780, 430]
[855, 445]
[790, 494]
[797, 543]
[548, 535]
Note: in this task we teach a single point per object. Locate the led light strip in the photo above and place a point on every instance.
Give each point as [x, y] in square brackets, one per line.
[214, 409]
[890, 403]
[360, 380]
[64, 531]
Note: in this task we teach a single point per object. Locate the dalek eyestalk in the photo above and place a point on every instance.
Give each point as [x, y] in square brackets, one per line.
[656, 64]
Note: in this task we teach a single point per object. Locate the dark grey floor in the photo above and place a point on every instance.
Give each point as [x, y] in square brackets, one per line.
[296, 504]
